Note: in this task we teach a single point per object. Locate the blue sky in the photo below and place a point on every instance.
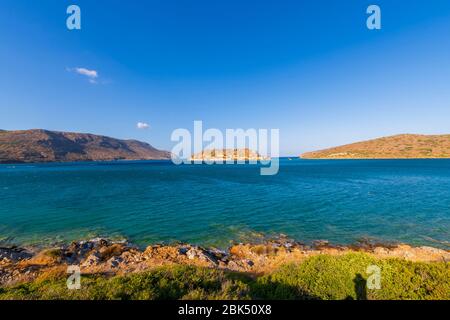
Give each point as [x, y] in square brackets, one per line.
[310, 68]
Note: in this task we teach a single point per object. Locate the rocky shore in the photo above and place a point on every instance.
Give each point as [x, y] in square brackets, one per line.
[103, 256]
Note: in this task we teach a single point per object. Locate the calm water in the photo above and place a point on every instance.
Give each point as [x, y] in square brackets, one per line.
[148, 202]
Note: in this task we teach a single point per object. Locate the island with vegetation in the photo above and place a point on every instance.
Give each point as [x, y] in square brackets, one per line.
[403, 146]
[223, 155]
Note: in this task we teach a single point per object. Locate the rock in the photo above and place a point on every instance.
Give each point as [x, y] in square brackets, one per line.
[191, 253]
[199, 253]
[14, 254]
[320, 243]
[249, 262]
[92, 260]
[98, 242]
[218, 254]
[114, 262]
[84, 245]
[288, 245]
[77, 251]
[432, 250]
[149, 251]
[408, 255]
[381, 251]
[132, 256]
[111, 250]
[233, 265]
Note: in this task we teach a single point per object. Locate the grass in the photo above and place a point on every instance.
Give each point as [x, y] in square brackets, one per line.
[319, 277]
[345, 277]
[174, 282]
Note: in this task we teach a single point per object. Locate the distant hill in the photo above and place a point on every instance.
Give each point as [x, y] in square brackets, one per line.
[51, 146]
[404, 146]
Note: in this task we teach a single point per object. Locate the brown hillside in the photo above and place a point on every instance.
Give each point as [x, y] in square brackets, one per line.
[50, 146]
[404, 146]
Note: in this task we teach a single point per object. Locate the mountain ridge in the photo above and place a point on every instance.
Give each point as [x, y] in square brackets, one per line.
[401, 146]
[40, 145]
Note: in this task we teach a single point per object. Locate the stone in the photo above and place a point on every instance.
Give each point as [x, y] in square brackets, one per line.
[381, 251]
[249, 262]
[14, 254]
[432, 250]
[191, 254]
[199, 253]
[232, 265]
[114, 262]
[320, 243]
[91, 260]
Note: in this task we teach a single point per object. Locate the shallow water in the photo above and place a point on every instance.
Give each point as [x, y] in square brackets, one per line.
[155, 201]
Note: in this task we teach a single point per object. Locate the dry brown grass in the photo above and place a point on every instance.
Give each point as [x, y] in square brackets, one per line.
[404, 146]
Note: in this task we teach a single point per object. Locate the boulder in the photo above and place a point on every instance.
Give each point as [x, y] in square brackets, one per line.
[381, 251]
[200, 253]
[14, 254]
[92, 260]
[114, 262]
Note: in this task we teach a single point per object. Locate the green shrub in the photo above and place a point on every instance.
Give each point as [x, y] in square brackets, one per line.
[413, 281]
[345, 277]
[318, 277]
[176, 282]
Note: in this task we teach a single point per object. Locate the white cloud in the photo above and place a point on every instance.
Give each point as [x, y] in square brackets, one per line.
[92, 75]
[142, 125]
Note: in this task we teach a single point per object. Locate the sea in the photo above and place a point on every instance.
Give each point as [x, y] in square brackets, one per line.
[148, 202]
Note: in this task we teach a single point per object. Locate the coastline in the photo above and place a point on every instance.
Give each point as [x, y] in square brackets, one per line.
[112, 161]
[105, 256]
[398, 158]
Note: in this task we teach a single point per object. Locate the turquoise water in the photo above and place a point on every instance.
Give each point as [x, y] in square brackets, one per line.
[147, 202]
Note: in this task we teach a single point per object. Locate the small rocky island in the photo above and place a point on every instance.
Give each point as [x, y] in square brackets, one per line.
[223, 155]
[33, 146]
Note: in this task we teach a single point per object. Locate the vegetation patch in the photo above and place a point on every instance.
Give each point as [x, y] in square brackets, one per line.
[345, 277]
[318, 277]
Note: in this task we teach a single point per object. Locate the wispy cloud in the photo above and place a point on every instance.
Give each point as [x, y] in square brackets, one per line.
[86, 72]
[142, 125]
[92, 75]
